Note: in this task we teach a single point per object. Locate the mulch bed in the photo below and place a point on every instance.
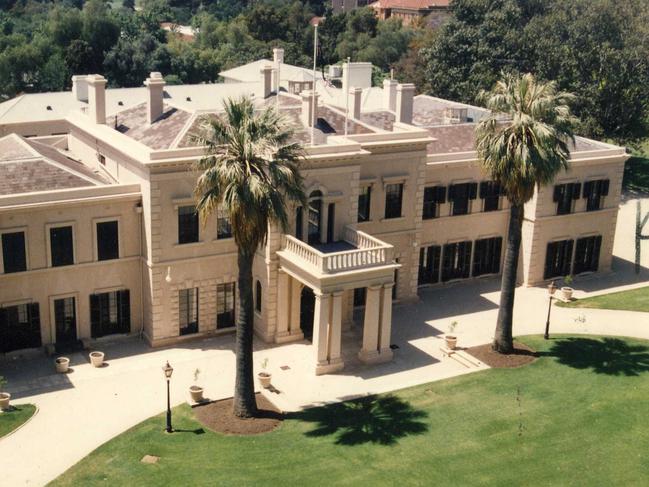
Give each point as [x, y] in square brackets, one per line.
[522, 355]
[217, 416]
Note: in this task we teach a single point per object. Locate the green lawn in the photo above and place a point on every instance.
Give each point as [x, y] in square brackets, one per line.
[577, 416]
[633, 300]
[11, 419]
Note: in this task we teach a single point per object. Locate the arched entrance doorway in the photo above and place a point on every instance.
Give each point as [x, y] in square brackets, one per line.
[307, 306]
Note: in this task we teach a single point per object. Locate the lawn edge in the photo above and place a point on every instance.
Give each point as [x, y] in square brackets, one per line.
[36, 410]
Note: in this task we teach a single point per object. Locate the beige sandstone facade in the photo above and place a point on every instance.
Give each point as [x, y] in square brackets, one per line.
[377, 227]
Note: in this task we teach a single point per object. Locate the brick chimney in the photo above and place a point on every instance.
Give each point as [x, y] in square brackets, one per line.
[96, 85]
[405, 96]
[266, 75]
[307, 107]
[155, 87]
[390, 95]
[355, 102]
[80, 87]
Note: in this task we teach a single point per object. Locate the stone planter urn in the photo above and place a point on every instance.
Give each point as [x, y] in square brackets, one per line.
[566, 293]
[97, 359]
[264, 379]
[196, 392]
[62, 365]
[451, 341]
[5, 397]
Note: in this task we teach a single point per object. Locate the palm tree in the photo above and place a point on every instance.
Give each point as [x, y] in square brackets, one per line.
[523, 152]
[250, 172]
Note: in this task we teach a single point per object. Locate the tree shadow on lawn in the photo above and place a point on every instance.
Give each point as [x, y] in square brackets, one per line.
[606, 355]
[372, 419]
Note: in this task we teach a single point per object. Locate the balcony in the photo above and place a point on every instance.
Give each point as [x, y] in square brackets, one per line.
[358, 254]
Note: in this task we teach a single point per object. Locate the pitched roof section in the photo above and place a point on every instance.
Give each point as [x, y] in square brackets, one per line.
[28, 166]
[158, 135]
[412, 4]
[287, 72]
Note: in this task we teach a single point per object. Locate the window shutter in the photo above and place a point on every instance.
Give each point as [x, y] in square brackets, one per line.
[588, 189]
[466, 260]
[451, 192]
[558, 192]
[498, 244]
[95, 316]
[35, 322]
[449, 252]
[596, 249]
[4, 331]
[580, 254]
[429, 194]
[473, 190]
[550, 257]
[604, 187]
[124, 311]
[437, 254]
[484, 185]
[576, 190]
[567, 257]
[441, 194]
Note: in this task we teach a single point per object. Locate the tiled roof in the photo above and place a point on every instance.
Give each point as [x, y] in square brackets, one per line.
[27, 166]
[158, 135]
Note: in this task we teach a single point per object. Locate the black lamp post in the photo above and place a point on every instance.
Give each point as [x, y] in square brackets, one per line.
[168, 370]
[551, 289]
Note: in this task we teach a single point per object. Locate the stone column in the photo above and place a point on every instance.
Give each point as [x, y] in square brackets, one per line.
[385, 351]
[335, 331]
[283, 305]
[294, 312]
[321, 317]
[370, 352]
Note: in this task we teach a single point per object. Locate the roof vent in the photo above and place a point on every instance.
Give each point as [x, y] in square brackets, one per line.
[120, 103]
[49, 108]
[189, 98]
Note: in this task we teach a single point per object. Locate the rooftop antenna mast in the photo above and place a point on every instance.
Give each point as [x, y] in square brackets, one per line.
[313, 107]
[346, 95]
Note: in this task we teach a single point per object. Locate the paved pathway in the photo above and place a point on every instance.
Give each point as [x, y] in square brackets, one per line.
[82, 410]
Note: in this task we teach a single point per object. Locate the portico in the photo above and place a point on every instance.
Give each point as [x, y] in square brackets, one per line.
[367, 264]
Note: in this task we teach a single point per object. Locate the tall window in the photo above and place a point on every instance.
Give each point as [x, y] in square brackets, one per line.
[315, 217]
[225, 305]
[299, 228]
[107, 240]
[188, 311]
[393, 200]
[558, 258]
[587, 254]
[486, 256]
[14, 257]
[594, 191]
[433, 197]
[457, 261]
[187, 224]
[459, 195]
[20, 327]
[61, 246]
[564, 196]
[490, 193]
[429, 261]
[258, 297]
[223, 225]
[110, 313]
[331, 222]
[364, 201]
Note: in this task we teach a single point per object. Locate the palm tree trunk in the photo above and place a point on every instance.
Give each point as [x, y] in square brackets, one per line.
[244, 405]
[503, 340]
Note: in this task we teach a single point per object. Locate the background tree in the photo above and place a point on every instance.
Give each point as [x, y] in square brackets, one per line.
[522, 154]
[250, 171]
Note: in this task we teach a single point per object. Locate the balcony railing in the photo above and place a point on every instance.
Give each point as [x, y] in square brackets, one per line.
[369, 252]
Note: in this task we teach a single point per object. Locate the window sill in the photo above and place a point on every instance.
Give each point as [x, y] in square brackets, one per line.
[223, 239]
[188, 244]
[395, 219]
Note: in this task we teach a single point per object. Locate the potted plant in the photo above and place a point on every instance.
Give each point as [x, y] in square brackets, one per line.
[451, 339]
[264, 377]
[5, 397]
[97, 359]
[566, 291]
[62, 365]
[196, 391]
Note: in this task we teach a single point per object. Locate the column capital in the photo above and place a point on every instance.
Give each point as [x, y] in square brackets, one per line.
[374, 287]
[337, 294]
[320, 295]
[388, 285]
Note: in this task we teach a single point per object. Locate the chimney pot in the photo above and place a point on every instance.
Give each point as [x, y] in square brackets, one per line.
[96, 98]
[405, 97]
[155, 87]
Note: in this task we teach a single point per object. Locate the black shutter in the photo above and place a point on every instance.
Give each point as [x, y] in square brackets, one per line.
[588, 189]
[95, 316]
[441, 194]
[447, 259]
[35, 325]
[495, 262]
[604, 187]
[466, 260]
[4, 331]
[596, 249]
[473, 190]
[451, 192]
[558, 192]
[550, 256]
[478, 257]
[580, 256]
[567, 257]
[437, 254]
[576, 190]
[124, 311]
[484, 188]
[421, 277]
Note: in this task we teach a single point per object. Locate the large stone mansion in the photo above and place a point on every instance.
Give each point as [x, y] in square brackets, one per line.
[100, 237]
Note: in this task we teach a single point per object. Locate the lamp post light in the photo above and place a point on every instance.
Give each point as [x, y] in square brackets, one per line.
[168, 370]
[551, 290]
